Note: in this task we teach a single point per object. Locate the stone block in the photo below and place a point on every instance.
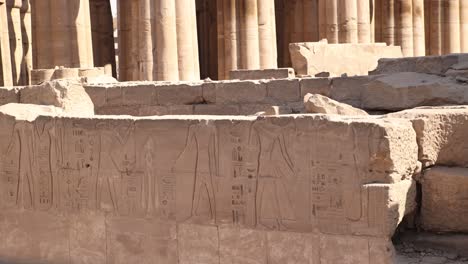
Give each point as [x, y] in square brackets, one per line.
[240, 92]
[399, 91]
[441, 133]
[283, 91]
[97, 95]
[198, 244]
[315, 86]
[180, 94]
[437, 65]
[216, 109]
[141, 94]
[312, 58]
[444, 207]
[281, 73]
[141, 241]
[209, 92]
[87, 234]
[349, 90]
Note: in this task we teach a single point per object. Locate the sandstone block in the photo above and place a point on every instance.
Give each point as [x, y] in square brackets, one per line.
[181, 94]
[349, 90]
[281, 73]
[441, 133]
[66, 94]
[141, 94]
[444, 207]
[437, 65]
[399, 91]
[312, 58]
[9, 95]
[216, 109]
[315, 86]
[318, 104]
[240, 92]
[283, 90]
[209, 92]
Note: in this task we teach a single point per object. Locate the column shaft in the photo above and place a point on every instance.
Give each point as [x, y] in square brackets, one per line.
[364, 21]
[332, 20]
[15, 34]
[404, 26]
[26, 36]
[451, 26]
[6, 75]
[419, 28]
[464, 26]
[267, 34]
[166, 41]
[348, 30]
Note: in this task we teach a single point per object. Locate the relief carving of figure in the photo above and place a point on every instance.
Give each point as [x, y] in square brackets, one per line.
[199, 158]
[275, 170]
[10, 174]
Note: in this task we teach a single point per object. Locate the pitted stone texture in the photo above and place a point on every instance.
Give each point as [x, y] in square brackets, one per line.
[318, 104]
[406, 90]
[437, 65]
[312, 58]
[444, 206]
[441, 134]
[66, 94]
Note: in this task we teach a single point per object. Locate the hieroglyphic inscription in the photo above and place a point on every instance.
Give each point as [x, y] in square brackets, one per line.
[10, 153]
[79, 162]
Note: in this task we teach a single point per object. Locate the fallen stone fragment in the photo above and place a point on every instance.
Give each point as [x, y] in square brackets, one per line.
[66, 94]
[319, 104]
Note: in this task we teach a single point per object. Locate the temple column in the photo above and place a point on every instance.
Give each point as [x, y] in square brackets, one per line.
[348, 17]
[364, 21]
[6, 75]
[62, 34]
[331, 13]
[26, 36]
[267, 34]
[404, 26]
[451, 26]
[464, 26]
[158, 40]
[245, 38]
[435, 27]
[16, 43]
[103, 35]
[419, 43]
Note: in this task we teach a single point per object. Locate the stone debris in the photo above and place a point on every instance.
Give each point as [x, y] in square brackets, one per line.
[319, 104]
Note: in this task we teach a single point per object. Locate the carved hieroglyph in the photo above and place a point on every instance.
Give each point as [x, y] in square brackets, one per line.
[259, 181]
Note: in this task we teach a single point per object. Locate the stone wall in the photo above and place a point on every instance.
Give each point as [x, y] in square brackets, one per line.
[203, 189]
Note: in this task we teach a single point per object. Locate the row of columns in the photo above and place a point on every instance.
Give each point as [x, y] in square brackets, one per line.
[246, 35]
[62, 34]
[158, 40]
[401, 23]
[446, 26]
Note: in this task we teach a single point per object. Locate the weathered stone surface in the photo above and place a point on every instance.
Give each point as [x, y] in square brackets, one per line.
[312, 58]
[349, 89]
[281, 73]
[66, 94]
[441, 133]
[318, 104]
[315, 86]
[406, 90]
[9, 95]
[286, 90]
[437, 65]
[240, 92]
[444, 193]
[247, 185]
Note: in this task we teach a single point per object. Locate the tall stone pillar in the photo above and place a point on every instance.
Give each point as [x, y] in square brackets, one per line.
[464, 26]
[16, 43]
[6, 75]
[404, 26]
[364, 21]
[419, 28]
[451, 26]
[244, 40]
[348, 21]
[103, 35]
[158, 40]
[62, 34]
[26, 37]
[331, 13]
